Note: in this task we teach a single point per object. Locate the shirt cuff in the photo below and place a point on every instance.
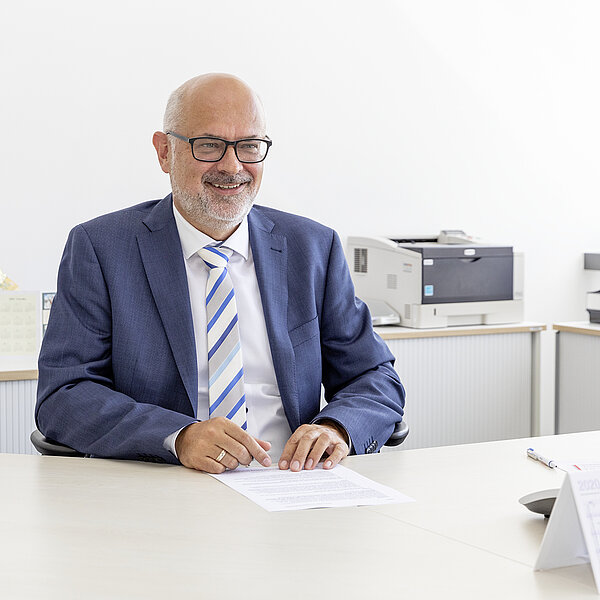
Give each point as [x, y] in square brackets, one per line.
[169, 443]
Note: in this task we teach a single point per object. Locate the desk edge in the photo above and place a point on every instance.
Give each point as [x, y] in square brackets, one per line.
[576, 329]
[490, 330]
[21, 375]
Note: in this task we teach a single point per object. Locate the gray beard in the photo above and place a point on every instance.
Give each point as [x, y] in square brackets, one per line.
[216, 215]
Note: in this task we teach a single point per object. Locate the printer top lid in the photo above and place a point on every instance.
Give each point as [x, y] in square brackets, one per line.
[437, 250]
[452, 243]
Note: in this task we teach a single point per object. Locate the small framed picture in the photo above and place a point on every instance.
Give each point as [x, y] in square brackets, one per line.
[47, 299]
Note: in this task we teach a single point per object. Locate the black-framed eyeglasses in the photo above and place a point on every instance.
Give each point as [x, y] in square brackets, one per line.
[212, 149]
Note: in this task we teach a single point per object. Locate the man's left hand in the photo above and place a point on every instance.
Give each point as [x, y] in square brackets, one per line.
[308, 444]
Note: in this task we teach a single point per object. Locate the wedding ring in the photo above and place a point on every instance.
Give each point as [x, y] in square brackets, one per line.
[221, 455]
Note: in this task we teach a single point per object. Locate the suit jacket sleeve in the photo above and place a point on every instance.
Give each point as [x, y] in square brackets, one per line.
[363, 390]
[78, 404]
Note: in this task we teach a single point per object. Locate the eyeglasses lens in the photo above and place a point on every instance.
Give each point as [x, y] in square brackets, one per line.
[210, 149]
[251, 150]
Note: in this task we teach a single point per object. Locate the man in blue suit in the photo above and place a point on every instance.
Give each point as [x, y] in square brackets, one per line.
[125, 368]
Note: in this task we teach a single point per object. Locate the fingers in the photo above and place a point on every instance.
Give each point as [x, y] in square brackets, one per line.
[221, 463]
[264, 445]
[307, 446]
[219, 444]
[236, 449]
[319, 448]
[289, 451]
[251, 444]
[340, 451]
[199, 445]
[227, 460]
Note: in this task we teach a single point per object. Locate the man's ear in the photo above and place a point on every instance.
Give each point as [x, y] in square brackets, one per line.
[161, 144]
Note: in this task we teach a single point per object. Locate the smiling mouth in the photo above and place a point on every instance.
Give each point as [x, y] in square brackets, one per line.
[228, 187]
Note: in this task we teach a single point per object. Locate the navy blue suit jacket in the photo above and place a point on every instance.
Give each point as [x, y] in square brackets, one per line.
[117, 368]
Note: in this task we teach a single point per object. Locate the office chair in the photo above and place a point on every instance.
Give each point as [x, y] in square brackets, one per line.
[398, 435]
[49, 447]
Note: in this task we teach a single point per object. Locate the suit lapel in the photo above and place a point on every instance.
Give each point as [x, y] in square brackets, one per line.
[162, 257]
[269, 252]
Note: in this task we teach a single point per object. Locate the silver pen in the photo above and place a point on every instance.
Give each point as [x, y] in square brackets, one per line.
[545, 461]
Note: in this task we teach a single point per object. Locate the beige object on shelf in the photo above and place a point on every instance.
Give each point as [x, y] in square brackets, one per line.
[6, 283]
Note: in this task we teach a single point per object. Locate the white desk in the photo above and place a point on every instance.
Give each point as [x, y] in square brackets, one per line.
[577, 376]
[91, 528]
[468, 384]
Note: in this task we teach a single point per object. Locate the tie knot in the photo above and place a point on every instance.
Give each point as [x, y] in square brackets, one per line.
[215, 257]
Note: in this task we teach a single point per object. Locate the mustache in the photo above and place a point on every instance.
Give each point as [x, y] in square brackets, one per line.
[226, 180]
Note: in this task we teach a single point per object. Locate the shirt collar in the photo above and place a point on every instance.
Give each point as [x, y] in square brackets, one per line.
[193, 239]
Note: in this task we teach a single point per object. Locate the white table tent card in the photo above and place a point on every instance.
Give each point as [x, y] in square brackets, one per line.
[573, 533]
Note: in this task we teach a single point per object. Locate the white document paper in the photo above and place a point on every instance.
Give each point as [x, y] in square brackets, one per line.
[276, 490]
[587, 464]
[572, 534]
[20, 323]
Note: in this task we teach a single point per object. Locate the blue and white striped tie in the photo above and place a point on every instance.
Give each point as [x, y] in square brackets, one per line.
[225, 370]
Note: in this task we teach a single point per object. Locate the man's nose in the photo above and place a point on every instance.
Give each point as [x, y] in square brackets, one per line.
[230, 163]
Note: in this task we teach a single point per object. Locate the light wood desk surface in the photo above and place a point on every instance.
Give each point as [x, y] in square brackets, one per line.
[13, 368]
[92, 528]
[582, 327]
[19, 375]
[393, 332]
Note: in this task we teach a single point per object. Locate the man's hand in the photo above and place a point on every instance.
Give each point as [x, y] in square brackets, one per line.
[309, 443]
[200, 444]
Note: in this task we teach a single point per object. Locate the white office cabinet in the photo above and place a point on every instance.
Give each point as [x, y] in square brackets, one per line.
[468, 384]
[577, 377]
[17, 404]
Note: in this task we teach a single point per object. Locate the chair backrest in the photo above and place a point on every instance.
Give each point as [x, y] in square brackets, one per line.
[49, 447]
[399, 435]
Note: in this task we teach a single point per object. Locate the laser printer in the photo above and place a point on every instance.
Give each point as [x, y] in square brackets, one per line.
[593, 306]
[438, 281]
[591, 261]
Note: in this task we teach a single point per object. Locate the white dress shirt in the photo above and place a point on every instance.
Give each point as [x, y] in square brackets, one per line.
[266, 417]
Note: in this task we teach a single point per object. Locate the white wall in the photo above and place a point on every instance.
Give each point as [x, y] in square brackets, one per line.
[481, 115]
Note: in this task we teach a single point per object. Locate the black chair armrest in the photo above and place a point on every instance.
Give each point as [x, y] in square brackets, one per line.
[399, 434]
[49, 447]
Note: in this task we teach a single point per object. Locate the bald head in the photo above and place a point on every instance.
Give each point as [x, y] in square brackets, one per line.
[216, 95]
